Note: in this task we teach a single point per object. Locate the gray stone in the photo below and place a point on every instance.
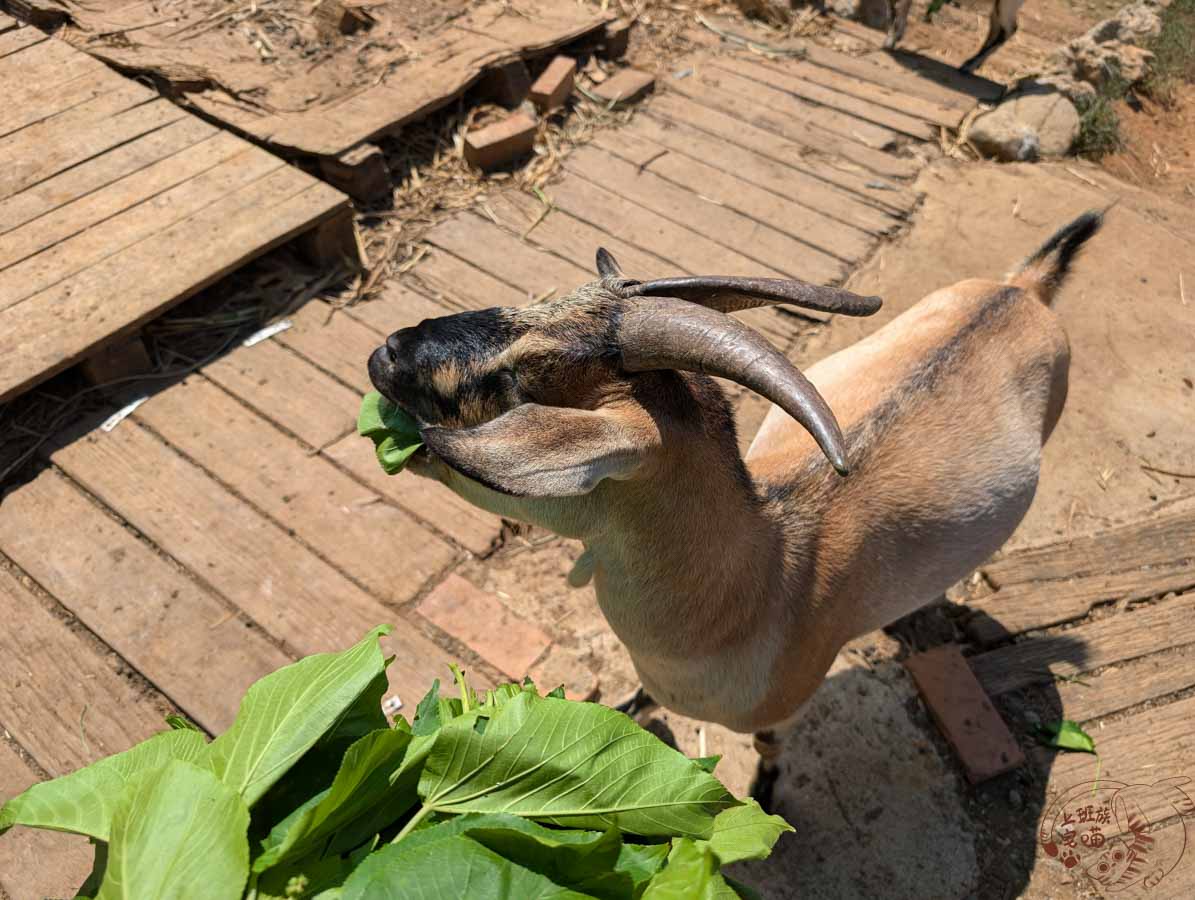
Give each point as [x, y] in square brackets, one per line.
[1112, 50]
[877, 812]
[1035, 123]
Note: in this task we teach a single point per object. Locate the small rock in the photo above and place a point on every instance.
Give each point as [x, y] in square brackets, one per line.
[1035, 123]
[625, 87]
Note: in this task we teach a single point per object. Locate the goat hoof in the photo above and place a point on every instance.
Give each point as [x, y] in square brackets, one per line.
[763, 786]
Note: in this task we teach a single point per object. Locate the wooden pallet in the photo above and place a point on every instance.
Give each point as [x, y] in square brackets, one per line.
[329, 108]
[116, 205]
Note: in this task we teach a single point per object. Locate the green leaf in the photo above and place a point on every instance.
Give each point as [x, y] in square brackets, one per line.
[179, 723]
[689, 874]
[557, 693]
[448, 868]
[177, 833]
[709, 763]
[284, 714]
[742, 891]
[586, 861]
[395, 434]
[360, 802]
[572, 764]
[427, 713]
[641, 862]
[83, 802]
[745, 832]
[311, 876]
[1065, 735]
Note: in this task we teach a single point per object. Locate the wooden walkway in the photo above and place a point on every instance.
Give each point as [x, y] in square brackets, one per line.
[115, 205]
[235, 521]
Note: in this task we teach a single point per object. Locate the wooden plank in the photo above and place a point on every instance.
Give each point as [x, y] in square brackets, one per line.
[325, 508]
[474, 529]
[1026, 605]
[36, 863]
[397, 306]
[756, 241]
[937, 73]
[1127, 685]
[1142, 748]
[443, 67]
[101, 171]
[795, 151]
[44, 149]
[50, 101]
[176, 633]
[801, 221]
[532, 270]
[792, 183]
[863, 110]
[8, 23]
[1127, 635]
[65, 702]
[40, 74]
[895, 78]
[289, 391]
[686, 250]
[250, 561]
[765, 104]
[1166, 536]
[14, 40]
[331, 341]
[573, 238]
[460, 285]
[60, 245]
[897, 99]
[49, 332]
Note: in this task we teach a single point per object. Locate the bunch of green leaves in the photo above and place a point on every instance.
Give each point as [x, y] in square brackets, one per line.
[1174, 53]
[395, 434]
[313, 793]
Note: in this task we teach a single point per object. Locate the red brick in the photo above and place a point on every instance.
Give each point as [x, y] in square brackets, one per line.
[563, 666]
[964, 713]
[122, 359]
[501, 143]
[507, 84]
[626, 86]
[479, 620]
[554, 85]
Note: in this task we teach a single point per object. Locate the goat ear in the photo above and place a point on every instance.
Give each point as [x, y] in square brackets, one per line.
[607, 267]
[542, 451]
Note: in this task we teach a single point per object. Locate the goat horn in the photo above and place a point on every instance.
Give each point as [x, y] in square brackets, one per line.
[731, 294]
[667, 333]
[607, 267]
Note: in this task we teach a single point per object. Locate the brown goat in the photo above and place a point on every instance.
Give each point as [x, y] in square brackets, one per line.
[734, 583]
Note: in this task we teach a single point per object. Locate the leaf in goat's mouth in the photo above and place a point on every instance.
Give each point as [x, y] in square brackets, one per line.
[394, 434]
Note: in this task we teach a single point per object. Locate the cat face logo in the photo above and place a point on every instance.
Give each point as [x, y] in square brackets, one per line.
[1104, 829]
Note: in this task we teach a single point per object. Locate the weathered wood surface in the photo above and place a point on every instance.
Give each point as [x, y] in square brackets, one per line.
[66, 702]
[115, 205]
[1042, 586]
[1128, 684]
[1121, 636]
[195, 648]
[35, 863]
[406, 69]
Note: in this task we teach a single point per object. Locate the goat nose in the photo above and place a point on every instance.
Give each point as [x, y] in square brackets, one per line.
[393, 345]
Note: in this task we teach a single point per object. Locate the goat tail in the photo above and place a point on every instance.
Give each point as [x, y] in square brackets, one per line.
[1043, 273]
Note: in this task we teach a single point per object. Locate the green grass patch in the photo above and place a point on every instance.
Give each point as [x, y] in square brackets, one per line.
[1174, 53]
[1099, 125]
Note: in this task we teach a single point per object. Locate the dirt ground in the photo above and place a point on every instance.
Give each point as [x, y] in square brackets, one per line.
[1159, 145]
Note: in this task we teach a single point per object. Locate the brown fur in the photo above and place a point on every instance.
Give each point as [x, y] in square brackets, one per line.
[735, 583]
